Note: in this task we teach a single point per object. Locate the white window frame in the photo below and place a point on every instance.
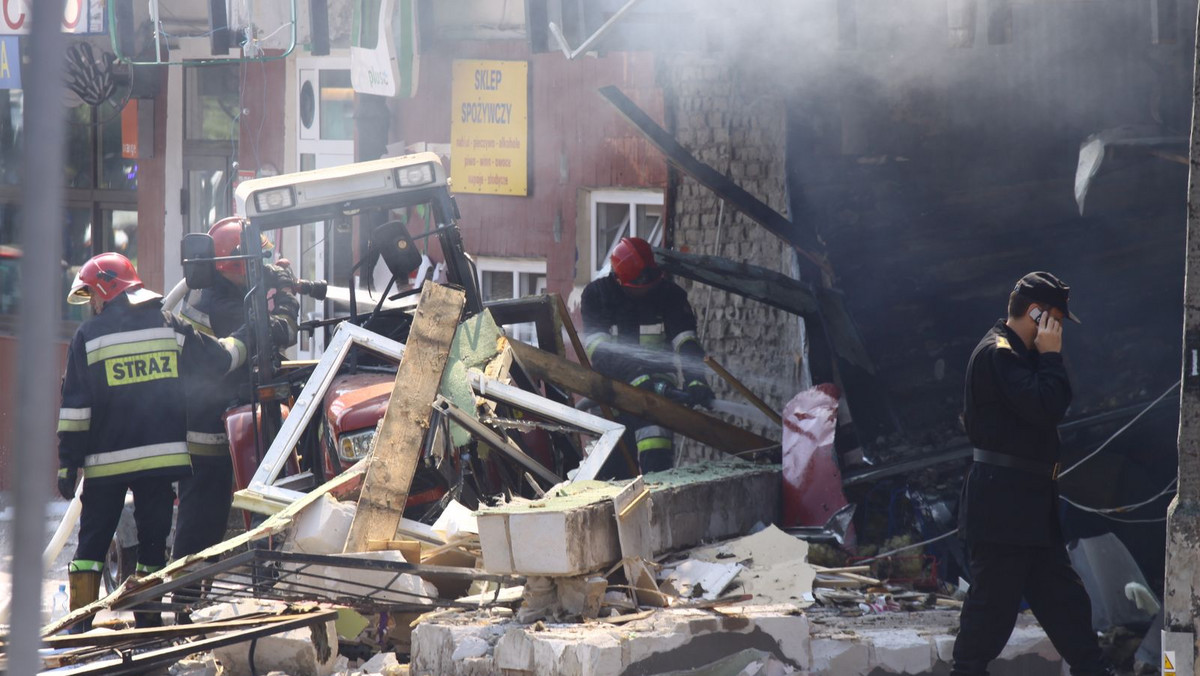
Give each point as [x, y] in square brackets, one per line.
[526, 332]
[630, 198]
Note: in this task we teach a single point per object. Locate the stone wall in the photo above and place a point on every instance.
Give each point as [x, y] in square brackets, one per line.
[736, 124]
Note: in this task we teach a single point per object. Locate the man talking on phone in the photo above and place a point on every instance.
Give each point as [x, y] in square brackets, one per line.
[1017, 391]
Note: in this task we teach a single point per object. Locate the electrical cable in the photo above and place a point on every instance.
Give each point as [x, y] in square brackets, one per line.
[1127, 425]
[1123, 508]
[922, 543]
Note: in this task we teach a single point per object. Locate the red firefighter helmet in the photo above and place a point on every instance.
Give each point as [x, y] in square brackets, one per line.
[107, 276]
[633, 264]
[227, 241]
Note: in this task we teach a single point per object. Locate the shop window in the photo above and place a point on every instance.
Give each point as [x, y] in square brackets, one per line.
[507, 278]
[622, 213]
[101, 197]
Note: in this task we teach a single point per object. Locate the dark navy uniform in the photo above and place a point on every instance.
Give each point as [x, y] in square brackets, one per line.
[635, 340]
[123, 420]
[205, 497]
[1008, 512]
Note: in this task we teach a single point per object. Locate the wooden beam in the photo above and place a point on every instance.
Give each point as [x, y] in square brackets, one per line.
[751, 281]
[803, 238]
[777, 290]
[397, 448]
[659, 410]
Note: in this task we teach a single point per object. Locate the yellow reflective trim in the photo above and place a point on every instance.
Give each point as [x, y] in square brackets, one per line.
[74, 425]
[207, 449]
[85, 566]
[139, 465]
[653, 443]
[62, 472]
[1002, 343]
[135, 347]
[200, 327]
[142, 368]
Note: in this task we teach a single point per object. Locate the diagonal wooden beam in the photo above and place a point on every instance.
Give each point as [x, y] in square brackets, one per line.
[397, 449]
[706, 429]
[797, 235]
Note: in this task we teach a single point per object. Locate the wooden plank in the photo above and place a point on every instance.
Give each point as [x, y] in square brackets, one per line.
[633, 530]
[647, 405]
[397, 448]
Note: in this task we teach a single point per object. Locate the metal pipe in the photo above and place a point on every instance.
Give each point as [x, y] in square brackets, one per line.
[37, 355]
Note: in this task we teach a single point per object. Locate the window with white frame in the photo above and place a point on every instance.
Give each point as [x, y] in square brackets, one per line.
[622, 213]
[506, 278]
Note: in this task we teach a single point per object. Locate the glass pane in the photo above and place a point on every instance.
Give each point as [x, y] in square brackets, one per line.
[648, 222]
[612, 223]
[76, 250]
[120, 233]
[337, 106]
[497, 285]
[532, 284]
[308, 161]
[213, 103]
[11, 103]
[79, 147]
[208, 198]
[116, 172]
[368, 29]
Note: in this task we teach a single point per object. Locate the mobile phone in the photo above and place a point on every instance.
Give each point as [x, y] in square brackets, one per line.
[1036, 314]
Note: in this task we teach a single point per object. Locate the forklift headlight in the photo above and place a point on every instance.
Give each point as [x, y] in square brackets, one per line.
[355, 446]
[414, 176]
[274, 199]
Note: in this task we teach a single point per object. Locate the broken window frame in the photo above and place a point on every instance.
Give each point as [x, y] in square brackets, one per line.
[628, 198]
[521, 270]
[264, 496]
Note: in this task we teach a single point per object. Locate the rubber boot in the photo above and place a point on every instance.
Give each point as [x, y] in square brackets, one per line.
[145, 619]
[84, 589]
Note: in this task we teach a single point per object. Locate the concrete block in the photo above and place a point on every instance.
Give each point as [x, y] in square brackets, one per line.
[1029, 639]
[576, 533]
[944, 646]
[380, 664]
[322, 527]
[901, 651]
[599, 656]
[792, 633]
[514, 651]
[840, 656]
[470, 646]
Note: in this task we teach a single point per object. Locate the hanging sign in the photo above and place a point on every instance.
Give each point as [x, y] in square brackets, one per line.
[10, 63]
[79, 16]
[383, 50]
[489, 127]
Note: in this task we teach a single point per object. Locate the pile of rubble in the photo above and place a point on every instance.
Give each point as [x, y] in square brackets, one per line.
[672, 572]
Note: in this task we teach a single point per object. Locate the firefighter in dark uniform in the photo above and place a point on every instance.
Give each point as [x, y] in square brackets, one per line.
[1017, 391]
[205, 498]
[635, 324]
[123, 419]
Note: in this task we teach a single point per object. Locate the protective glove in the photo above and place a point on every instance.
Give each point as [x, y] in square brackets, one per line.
[662, 387]
[67, 478]
[280, 276]
[699, 393]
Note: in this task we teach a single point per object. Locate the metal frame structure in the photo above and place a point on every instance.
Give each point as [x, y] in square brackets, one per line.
[294, 577]
[158, 43]
[135, 659]
[265, 496]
